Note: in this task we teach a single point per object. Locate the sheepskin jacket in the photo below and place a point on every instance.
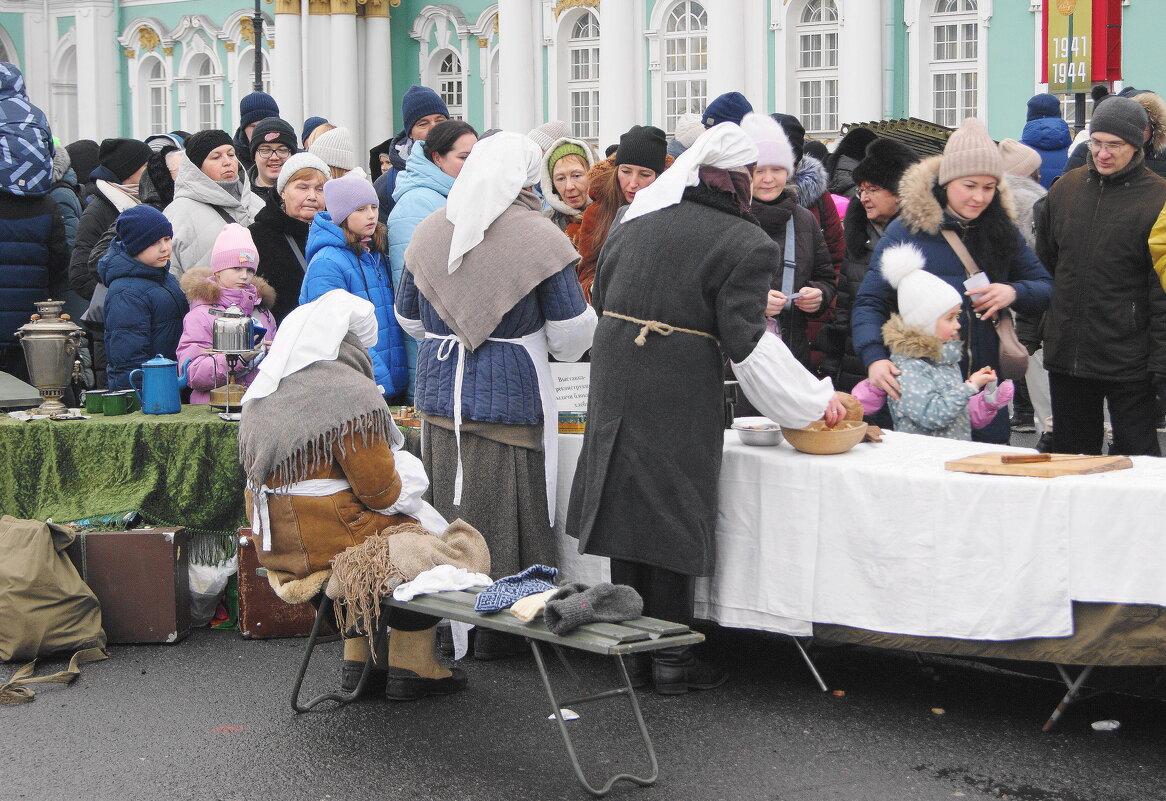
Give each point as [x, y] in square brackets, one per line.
[934, 400]
[209, 370]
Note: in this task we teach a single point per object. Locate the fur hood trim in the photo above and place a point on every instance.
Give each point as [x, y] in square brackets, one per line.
[912, 343]
[1156, 110]
[602, 174]
[548, 185]
[919, 209]
[197, 285]
[810, 181]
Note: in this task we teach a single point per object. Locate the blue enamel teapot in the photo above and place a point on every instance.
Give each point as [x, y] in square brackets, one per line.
[158, 383]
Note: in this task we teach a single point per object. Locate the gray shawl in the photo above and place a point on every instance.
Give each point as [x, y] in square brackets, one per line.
[521, 249]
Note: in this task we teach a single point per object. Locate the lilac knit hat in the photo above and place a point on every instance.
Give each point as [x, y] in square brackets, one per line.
[342, 196]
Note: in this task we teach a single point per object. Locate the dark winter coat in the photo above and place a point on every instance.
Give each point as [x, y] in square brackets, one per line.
[386, 183]
[143, 313]
[810, 182]
[95, 221]
[1107, 320]
[281, 263]
[646, 485]
[813, 266]
[34, 258]
[67, 195]
[995, 244]
[1050, 137]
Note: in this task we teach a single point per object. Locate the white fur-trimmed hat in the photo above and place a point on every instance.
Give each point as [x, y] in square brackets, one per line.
[923, 297]
[773, 147]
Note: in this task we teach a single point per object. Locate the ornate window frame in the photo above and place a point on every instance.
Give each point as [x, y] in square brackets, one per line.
[824, 76]
[447, 24]
[195, 46]
[658, 36]
[919, 18]
[563, 72]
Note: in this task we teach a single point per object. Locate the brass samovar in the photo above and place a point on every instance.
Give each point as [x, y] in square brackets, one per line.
[52, 345]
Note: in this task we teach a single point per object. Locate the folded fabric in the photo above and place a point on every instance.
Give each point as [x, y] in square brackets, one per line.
[604, 603]
[505, 591]
[528, 608]
[443, 578]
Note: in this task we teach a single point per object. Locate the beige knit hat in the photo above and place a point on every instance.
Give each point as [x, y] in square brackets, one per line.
[1018, 158]
[970, 151]
[335, 148]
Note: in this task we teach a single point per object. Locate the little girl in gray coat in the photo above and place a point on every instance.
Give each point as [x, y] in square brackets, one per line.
[925, 345]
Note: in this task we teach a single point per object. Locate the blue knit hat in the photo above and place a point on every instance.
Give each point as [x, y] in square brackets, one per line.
[138, 227]
[421, 101]
[255, 107]
[729, 107]
[311, 124]
[1042, 106]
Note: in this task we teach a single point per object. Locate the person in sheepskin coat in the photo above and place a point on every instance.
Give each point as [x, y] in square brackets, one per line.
[211, 190]
[229, 281]
[930, 192]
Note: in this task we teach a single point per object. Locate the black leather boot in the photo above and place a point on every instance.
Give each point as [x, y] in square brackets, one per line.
[491, 645]
[675, 671]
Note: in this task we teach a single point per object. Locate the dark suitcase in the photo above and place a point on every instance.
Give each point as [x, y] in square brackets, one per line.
[141, 579]
[264, 615]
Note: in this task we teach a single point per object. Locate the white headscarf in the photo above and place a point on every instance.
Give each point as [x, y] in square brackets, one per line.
[312, 333]
[496, 170]
[724, 146]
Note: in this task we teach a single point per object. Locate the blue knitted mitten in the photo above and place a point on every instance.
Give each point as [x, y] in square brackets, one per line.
[505, 591]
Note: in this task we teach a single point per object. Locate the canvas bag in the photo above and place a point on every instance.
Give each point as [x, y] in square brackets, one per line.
[1013, 356]
[26, 146]
[45, 607]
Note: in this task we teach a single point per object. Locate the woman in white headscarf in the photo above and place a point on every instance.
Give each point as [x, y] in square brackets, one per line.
[490, 288]
[325, 471]
[681, 284]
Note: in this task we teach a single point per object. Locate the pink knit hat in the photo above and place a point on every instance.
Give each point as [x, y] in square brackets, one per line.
[234, 248]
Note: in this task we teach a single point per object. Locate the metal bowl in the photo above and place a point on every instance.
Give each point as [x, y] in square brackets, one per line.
[757, 431]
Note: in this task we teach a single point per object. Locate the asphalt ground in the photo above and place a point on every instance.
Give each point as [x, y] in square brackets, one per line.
[209, 719]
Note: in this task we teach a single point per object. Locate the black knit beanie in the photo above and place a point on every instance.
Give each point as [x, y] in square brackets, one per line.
[643, 146]
[273, 131]
[123, 157]
[200, 145]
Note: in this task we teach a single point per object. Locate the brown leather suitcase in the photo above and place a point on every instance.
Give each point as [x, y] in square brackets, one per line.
[264, 615]
[141, 579]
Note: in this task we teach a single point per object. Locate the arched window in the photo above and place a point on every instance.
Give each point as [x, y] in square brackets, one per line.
[583, 78]
[450, 85]
[207, 93]
[156, 91]
[685, 62]
[64, 87]
[955, 41]
[817, 70]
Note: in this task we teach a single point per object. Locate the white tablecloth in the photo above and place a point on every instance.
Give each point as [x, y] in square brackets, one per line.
[884, 538]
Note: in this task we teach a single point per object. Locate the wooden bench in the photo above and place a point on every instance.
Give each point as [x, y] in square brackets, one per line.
[615, 640]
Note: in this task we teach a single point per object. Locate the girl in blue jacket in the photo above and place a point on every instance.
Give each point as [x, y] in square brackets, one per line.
[346, 250]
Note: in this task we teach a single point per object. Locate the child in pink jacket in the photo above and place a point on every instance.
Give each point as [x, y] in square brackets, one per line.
[230, 280]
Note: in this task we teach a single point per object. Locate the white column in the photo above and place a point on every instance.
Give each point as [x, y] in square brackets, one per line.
[98, 105]
[517, 66]
[36, 65]
[286, 63]
[726, 39]
[378, 97]
[860, 53]
[755, 53]
[618, 70]
[318, 61]
[344, 109]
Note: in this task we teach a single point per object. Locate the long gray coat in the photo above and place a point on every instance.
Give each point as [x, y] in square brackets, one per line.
[646, 485]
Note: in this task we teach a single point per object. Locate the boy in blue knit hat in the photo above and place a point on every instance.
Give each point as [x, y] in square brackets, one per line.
[144, 305]
[252, 108]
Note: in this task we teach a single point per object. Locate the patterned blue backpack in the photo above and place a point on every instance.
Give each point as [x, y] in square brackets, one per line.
[26, 145]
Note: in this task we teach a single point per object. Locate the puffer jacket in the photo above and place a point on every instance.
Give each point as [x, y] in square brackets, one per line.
[209, 370]
[195, 218]
[143, 313]
[1050, 137]
[934, 400]
[421, 190]
[486, 397]
[333, 265]
[34, 258]
[921, 222]
[66, 194]
[813, 267]
[568, 219]
[1107, 320]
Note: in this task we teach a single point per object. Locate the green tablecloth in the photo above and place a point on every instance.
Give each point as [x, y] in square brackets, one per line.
[174, 469]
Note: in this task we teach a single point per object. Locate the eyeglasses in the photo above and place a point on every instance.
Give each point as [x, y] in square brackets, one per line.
[869, 191]
[1108, 147]
[273, 152]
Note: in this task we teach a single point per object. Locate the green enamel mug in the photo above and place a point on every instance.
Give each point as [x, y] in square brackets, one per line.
[95, 401]
[124, 402]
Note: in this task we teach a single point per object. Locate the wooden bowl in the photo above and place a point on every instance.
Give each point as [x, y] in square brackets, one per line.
[819, 440]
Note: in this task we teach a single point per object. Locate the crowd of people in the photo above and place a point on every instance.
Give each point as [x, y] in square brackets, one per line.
[450, 275]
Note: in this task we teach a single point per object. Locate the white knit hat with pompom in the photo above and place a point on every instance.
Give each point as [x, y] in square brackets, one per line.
[923, 297]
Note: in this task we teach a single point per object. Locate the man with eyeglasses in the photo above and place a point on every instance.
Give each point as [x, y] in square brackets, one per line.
[273, 142]
[1105, 331]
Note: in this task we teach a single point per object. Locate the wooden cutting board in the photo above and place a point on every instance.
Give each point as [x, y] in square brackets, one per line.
[1061, 464]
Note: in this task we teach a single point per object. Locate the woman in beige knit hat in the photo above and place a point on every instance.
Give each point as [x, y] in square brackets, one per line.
[962, 193]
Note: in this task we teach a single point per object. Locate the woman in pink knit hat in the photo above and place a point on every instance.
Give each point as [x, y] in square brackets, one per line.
[229, 281]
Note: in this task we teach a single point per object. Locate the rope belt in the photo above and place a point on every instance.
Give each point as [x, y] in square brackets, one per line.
[656, 327]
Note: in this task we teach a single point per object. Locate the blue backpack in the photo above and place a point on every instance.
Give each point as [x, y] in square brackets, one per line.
[26, 145]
